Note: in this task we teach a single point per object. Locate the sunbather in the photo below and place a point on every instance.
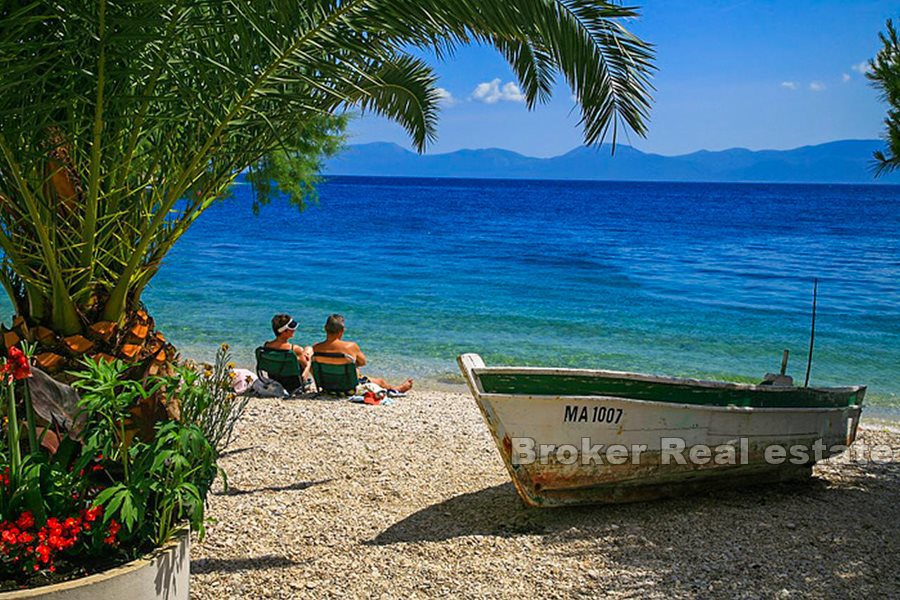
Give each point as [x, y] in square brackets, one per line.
[283, 326]
[334, 344]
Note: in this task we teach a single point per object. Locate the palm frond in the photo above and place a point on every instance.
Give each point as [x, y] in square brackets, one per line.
[884, 73]
[122, 121]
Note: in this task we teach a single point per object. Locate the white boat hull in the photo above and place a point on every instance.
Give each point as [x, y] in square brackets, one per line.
[585, 449]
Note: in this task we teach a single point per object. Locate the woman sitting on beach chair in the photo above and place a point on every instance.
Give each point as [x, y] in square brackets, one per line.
[335, 351]
[276, 357]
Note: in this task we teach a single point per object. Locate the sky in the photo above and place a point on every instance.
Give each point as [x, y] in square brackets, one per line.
[751, 74]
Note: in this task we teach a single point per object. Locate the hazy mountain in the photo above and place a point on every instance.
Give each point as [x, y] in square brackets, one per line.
[847, 161]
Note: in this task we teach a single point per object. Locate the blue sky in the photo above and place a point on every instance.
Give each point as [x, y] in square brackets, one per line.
[753, 74]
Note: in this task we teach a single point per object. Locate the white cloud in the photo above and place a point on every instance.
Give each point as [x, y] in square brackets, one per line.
[791, 85]
[491, 92]
[845, 77]
[862, 68]
[445, 97]
[816, 86]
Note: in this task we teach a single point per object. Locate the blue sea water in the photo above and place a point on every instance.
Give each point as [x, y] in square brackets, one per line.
[703, 280]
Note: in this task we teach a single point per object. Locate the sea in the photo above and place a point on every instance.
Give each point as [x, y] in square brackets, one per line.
[707, 280]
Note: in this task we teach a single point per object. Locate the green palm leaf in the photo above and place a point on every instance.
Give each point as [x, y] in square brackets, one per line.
[121, 121]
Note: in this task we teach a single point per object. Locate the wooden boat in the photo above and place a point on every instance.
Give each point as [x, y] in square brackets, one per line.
[574, 436]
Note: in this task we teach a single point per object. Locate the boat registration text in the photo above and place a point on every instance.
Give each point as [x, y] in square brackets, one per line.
[592, 414]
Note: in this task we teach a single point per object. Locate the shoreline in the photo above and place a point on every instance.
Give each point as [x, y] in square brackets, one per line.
[871, 414]
[453, 383]
[331, 499]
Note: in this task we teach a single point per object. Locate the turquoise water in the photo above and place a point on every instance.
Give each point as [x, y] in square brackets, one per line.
[708, 280]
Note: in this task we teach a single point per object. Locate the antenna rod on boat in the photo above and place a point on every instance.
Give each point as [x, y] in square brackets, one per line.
[812, 332]
[784, 359]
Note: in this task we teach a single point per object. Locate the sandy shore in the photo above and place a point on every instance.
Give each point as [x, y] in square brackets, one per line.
[332, 500]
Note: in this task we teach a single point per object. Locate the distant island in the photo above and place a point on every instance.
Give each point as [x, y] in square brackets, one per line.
[846, 161]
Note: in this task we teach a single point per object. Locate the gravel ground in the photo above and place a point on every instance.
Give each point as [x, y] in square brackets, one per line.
[331, 500]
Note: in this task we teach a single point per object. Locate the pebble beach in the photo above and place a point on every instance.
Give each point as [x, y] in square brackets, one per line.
[327, 499]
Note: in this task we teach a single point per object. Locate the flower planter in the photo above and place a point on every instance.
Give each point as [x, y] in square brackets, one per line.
[162, 575]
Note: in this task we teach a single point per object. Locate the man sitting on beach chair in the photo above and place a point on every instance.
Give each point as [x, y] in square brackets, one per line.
[282, 361]
[335, 351]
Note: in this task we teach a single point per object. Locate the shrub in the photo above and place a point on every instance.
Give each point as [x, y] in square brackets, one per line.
[107, 497]
[207, 399]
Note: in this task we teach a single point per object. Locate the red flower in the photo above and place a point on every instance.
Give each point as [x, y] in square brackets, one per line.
[92, 514]
[26, 520]
[73, 525]
[43, 553]
[18, 365]
[25, 537]
[114, 529]
[9, 536]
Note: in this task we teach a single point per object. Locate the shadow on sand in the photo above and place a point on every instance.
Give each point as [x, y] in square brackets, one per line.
[234, 565]
[294, 487]
[824, 536]
[237, 451]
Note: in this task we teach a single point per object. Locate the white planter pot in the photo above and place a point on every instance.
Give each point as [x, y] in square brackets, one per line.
[162, 575]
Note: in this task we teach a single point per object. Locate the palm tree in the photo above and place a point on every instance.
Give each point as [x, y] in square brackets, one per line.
[884, 72]
[122, 121]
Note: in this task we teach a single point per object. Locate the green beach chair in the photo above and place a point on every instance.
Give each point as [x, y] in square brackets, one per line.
[280, 366]
[339, 379]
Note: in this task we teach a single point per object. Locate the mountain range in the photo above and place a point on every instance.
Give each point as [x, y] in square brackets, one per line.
[845, 161]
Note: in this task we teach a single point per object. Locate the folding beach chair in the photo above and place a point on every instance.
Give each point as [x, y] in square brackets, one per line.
[280, 366]
[337, 376]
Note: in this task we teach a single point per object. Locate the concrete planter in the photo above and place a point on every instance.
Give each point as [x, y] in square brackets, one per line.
[162, 575]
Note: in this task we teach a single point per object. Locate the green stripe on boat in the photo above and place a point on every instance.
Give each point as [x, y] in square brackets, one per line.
[545, 384]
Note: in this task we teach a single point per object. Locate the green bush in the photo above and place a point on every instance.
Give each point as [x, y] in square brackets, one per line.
[113, 494]
[207, 399]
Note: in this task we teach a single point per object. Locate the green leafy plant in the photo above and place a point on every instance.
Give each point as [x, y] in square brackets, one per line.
[107, 398]
[46, 511]
[112, 494]
[168, 483]
[207, 399]
[164, 479]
